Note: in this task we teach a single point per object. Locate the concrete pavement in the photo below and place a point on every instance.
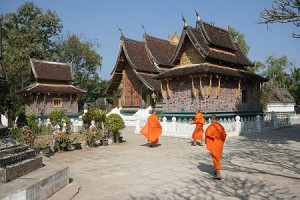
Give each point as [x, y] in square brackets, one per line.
[257, 166]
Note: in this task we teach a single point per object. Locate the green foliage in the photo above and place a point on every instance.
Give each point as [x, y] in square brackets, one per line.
[240, 40]
[59, 117]
[28, 137]
[95, 114]
[16, 133]
[264, 99]
[10, 105]
[114, 123]
[28, 33]
[22, 121]
[32, 123]
[294, 84]
[91, 136]
[277, 70]
[86, 63]
[63, 141]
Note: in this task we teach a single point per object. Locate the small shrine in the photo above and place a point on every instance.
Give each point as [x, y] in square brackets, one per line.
[50, 89]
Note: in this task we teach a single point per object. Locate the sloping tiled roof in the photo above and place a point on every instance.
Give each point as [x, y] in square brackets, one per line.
[212, 48]
[161, 50]
[209, 68]
[218, 36]
[148, 80]
[45, 70]
[137, 56]
[281, 95]
[52, 88]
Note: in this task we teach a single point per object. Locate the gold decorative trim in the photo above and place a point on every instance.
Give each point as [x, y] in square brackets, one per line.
[209, 87]
[218, 89]
[238, 90]
[194, 90]
[162, 90]
[168, 89]
[201, 86]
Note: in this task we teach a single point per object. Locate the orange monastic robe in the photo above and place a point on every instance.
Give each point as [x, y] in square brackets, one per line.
[152, 130]
[198, 132]
[214, 139]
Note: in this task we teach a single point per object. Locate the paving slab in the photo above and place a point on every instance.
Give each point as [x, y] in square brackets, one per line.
[255, 166]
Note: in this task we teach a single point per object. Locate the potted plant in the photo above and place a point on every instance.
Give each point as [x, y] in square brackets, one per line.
[114, 123]
[63, 141]
[92, 137]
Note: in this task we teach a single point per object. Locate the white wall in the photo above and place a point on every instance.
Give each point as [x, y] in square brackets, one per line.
[280, 107]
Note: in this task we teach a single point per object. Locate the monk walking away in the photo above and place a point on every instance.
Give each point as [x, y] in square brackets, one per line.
[214, 139]
[152, 130]
[198, 132]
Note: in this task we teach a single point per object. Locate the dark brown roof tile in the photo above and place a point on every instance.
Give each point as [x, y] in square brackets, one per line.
[45, 70]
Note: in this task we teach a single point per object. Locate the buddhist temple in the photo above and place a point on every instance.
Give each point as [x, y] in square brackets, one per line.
[50, 89]
[204, 68]
[132, 79]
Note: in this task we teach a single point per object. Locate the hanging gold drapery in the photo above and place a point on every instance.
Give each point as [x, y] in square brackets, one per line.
[209, 87]
[238, 90]
[162, 90]
[218, 89]
[201, 87]
[194, 90]
[168, 89]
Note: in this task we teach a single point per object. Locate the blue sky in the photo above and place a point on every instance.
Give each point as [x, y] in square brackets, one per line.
[99, 20]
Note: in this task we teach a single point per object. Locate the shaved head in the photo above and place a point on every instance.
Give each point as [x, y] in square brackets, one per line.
[213, 118]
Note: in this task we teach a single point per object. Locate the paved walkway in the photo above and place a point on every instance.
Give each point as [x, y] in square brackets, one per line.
[264, 166]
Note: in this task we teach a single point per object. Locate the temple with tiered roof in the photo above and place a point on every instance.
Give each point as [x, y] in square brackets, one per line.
[50, 89]
[204, 67]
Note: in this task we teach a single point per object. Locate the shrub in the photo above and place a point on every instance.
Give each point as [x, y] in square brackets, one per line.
[32, 124]
[63, 141]
[114, 123]
[59, 117]
[21, 121]
[16, 133]
[95, 114]
[91, 136]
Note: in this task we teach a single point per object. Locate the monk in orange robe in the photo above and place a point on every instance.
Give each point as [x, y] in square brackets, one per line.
[152, 130]
[198, 132]
[214, 139]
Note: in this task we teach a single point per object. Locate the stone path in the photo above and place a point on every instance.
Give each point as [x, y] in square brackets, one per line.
[260, 166]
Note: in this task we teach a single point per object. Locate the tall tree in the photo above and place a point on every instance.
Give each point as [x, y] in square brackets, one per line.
[240, 39]
[282, 11]
[294, 84]
[276, 69]
[28, 33]
[86, 64]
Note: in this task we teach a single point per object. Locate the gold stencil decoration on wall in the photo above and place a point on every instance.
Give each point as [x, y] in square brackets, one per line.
[194, 90]
[162, 90]
[201, 86]
[238, 90]
[209, 87]
[218, 89]
[168, 88]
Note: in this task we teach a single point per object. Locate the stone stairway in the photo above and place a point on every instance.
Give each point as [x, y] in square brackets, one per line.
[16, 160]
